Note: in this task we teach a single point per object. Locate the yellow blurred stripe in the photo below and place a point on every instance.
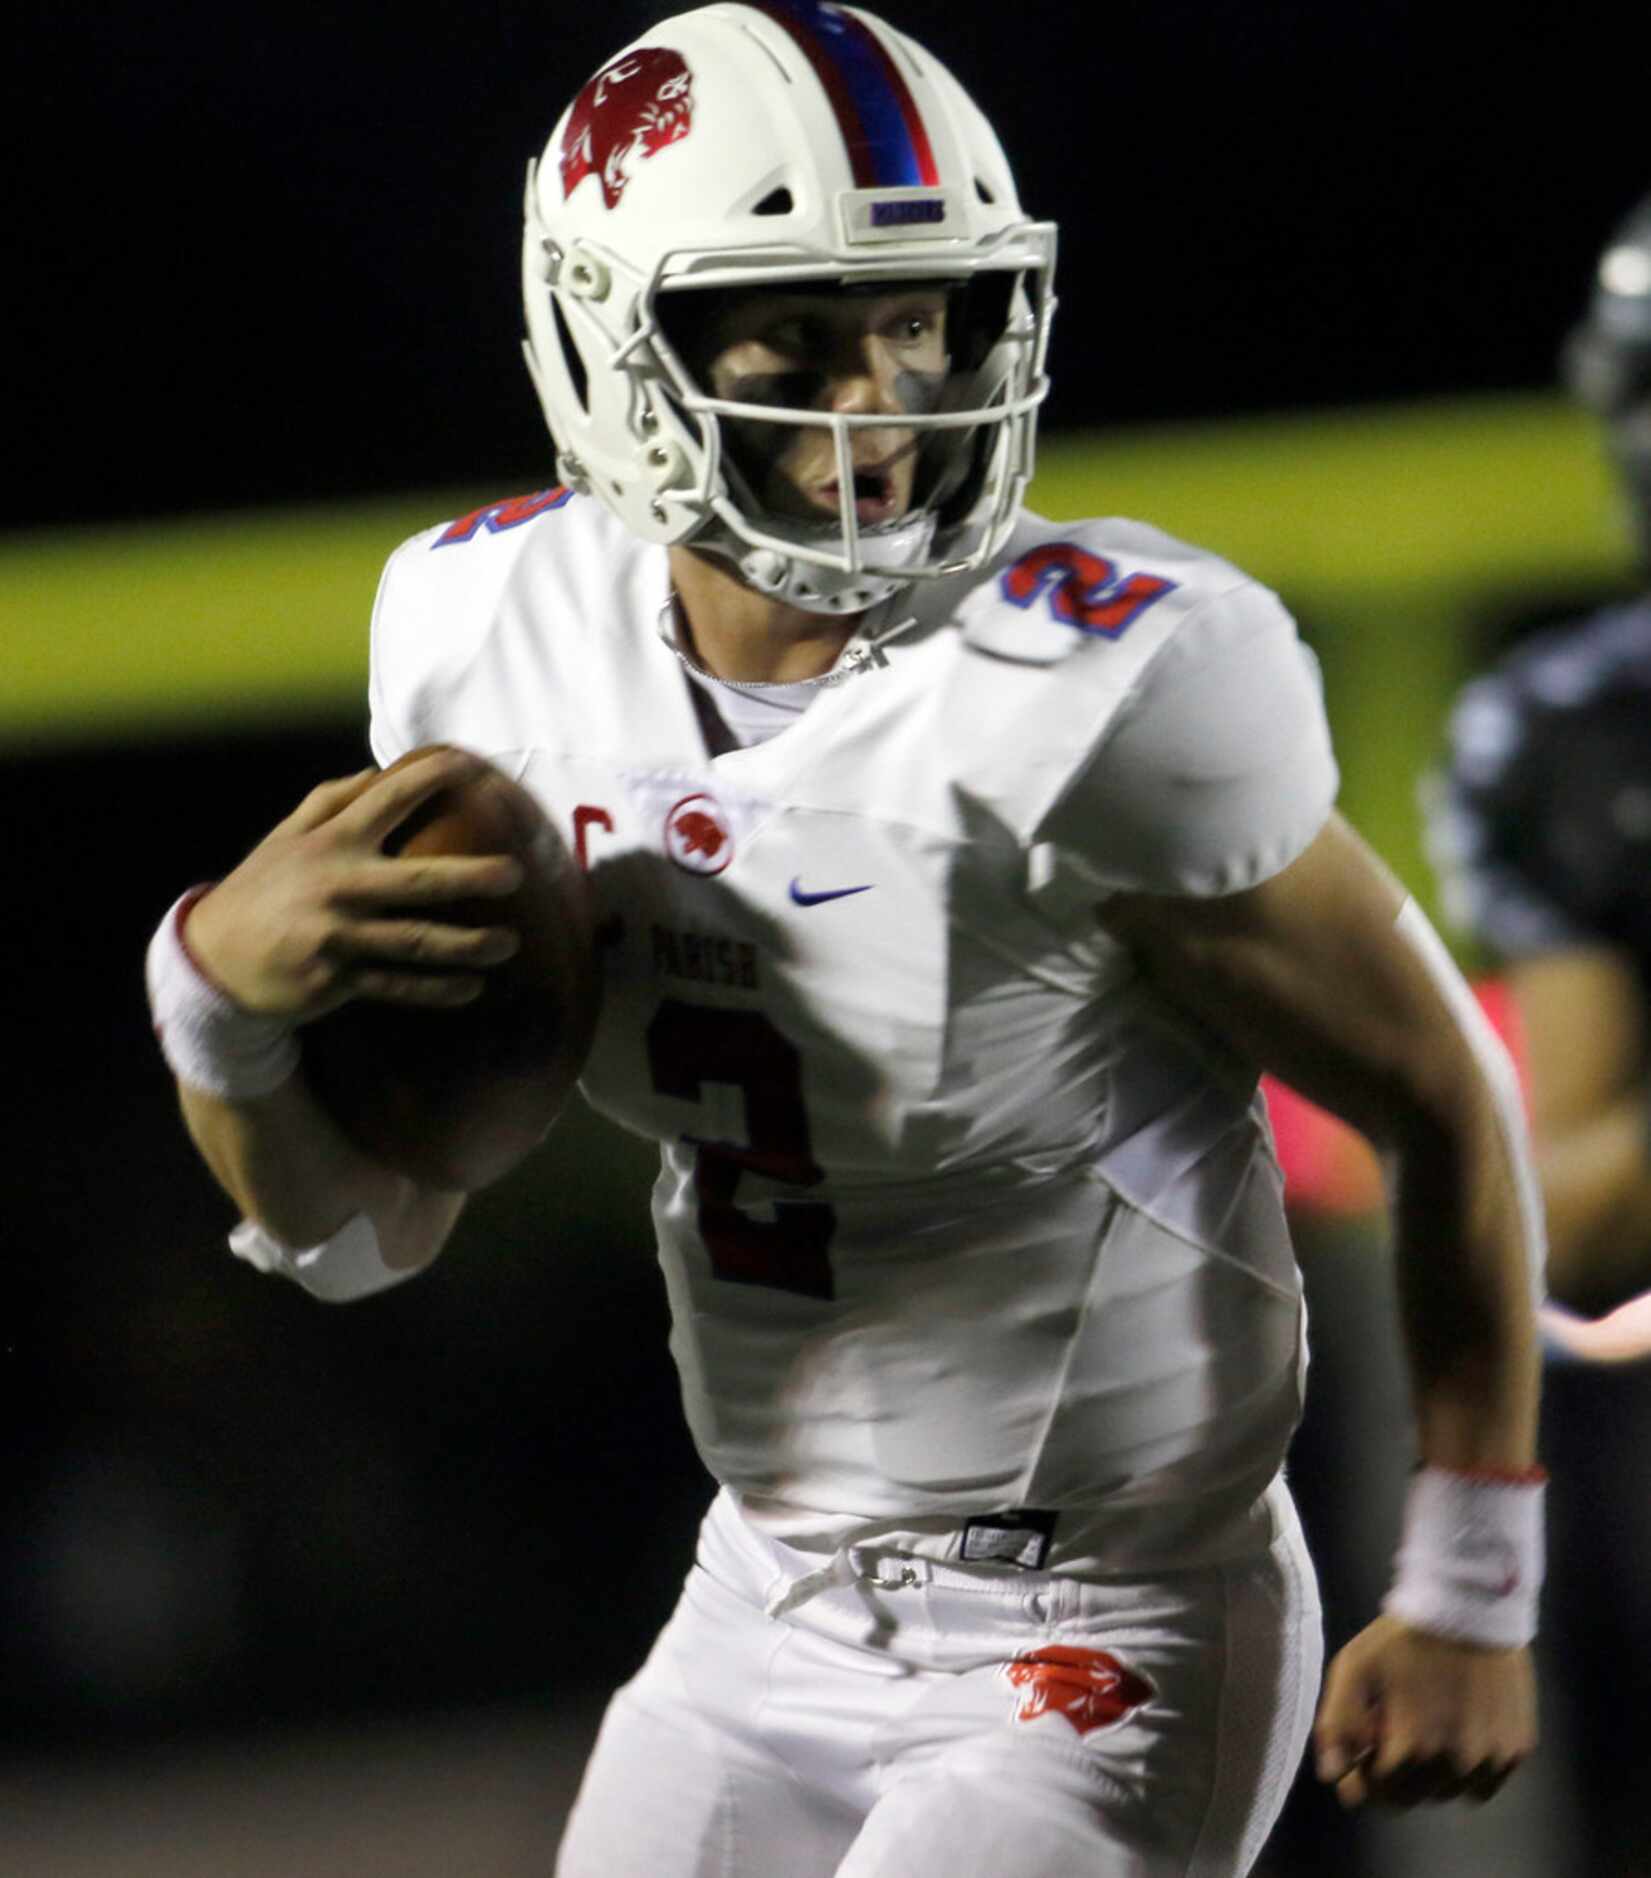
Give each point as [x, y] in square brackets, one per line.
[231, 619]
[1379, 518]
[1474, 492]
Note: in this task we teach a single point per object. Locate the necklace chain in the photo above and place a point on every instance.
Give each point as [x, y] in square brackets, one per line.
[860, 652]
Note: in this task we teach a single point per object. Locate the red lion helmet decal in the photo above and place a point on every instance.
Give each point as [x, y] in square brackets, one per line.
[632, 108]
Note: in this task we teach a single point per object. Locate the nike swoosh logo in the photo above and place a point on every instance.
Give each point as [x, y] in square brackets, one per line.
[804, 898]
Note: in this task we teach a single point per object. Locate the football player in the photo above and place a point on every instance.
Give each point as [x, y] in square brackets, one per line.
[1541, 825]
[961, 871]
[1540, 821]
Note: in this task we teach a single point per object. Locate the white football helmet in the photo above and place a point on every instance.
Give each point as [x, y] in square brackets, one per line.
[759, 145]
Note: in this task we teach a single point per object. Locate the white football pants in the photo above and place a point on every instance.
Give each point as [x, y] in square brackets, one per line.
[928, 1720]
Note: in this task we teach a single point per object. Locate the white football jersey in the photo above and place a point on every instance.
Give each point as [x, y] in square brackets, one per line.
[969, 1244]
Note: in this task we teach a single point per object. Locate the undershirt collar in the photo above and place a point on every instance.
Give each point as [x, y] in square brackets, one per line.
[749, 714]
[749, 711]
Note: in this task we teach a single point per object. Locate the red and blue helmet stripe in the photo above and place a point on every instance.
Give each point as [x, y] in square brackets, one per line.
[888, 145]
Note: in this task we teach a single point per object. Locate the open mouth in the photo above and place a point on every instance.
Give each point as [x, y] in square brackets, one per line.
[874, 497]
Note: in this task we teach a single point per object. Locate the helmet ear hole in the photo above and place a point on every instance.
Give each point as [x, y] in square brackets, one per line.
[577, 371]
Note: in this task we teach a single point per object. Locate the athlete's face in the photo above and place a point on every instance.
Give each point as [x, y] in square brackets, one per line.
[860, 354]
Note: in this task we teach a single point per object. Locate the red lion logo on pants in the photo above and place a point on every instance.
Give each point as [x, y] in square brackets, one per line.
[1091, 1688]
[632, 108]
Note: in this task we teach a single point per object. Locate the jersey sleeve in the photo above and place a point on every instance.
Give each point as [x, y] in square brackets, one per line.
[1217, 772]
[393, 727]
[465, 608]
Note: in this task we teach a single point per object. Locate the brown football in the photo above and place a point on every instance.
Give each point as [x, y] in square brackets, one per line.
[455, 1098]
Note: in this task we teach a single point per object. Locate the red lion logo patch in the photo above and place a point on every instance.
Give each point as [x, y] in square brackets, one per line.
[1091, 1688]
[631, 109]
[697, 835]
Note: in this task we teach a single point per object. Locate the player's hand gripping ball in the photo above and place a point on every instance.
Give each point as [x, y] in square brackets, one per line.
[456, 1097]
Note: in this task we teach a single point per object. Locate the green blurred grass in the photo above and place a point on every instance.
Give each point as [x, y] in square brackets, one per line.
[1385, 529]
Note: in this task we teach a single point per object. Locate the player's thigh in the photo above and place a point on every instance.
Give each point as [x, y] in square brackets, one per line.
[681, 1782]
[667, 1795]
[966, 1822]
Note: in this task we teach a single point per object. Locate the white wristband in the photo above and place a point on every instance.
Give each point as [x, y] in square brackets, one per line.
[1470, 1557]
[210, 1042]
[345, 1267]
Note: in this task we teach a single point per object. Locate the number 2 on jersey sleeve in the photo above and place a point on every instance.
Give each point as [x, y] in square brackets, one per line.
[690, 1045]
[1082, 589]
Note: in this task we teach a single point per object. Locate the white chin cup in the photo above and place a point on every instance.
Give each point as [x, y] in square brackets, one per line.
[885, 554]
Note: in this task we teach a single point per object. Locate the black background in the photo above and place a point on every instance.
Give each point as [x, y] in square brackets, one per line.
[266, 252]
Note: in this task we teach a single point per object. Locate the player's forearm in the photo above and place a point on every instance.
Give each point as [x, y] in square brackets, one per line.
[286, 1165]
[1469, 1229]
[1463, 1259]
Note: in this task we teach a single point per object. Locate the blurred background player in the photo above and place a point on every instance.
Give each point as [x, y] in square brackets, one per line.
[1540, 823]
[964, 870]
[1542, 829]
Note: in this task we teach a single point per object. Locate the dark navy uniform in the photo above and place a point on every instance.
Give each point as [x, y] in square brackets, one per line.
[1540, 821]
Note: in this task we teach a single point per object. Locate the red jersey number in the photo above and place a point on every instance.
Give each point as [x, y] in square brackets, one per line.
[690, 1045]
